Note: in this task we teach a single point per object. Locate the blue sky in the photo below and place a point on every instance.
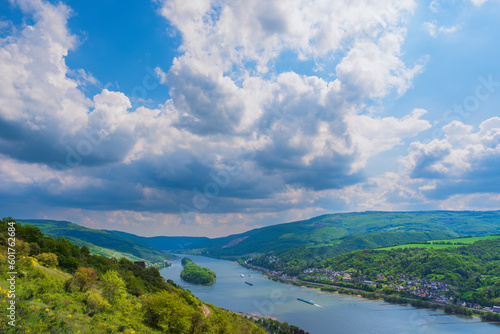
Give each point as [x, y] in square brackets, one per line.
[214, 117]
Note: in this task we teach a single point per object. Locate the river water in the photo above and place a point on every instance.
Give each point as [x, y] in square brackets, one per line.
[333, 314]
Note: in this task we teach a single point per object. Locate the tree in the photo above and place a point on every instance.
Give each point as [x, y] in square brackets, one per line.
[34, 248]
[30, 233]
[23, 248]
[113, 286]
[95, 302]
[49, 259]
[85, 251]
[166, 311]
[84, 278]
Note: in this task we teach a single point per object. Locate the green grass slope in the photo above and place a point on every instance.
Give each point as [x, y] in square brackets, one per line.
[100, 242]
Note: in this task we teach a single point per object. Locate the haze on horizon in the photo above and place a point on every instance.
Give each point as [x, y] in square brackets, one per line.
[208, 118]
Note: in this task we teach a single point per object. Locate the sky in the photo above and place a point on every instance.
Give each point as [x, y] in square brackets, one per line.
[208, 118]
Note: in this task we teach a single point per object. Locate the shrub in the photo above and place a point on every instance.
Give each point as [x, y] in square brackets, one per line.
[96, 302]
[113, 286]
[84, 278]
[167, 312]
[49, 259]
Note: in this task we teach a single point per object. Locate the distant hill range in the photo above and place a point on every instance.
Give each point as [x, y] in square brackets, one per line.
[333, 234]
[318, 237]
[163, 243]
[100, 242]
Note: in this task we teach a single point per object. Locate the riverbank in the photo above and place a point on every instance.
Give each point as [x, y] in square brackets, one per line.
[256, 317]
[394, 298]
[276, 299]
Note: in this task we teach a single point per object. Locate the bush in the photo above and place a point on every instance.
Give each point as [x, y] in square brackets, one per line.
[49, 259]
[96, 302]
[167, 312]
[84, 278]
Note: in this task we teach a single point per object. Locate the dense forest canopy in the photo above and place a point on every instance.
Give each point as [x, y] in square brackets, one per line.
[193, 273]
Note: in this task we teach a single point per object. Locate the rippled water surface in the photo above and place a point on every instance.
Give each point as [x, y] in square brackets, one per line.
[333, 313]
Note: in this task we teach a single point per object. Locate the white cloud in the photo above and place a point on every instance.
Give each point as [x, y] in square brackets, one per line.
[371, 69]
[449, 30]
[161, 75]
[219, 39]
[84, 78]
[462, 150]
[375, 135]
[389, 191]
[34, 88]
[430, 27]
[296, 119]
[479, 202]
[433, 29]
[291, 136]
[434, 6]
[463, 162]
[478, 3]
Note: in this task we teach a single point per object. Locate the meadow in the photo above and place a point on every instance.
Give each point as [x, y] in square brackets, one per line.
[443, 243]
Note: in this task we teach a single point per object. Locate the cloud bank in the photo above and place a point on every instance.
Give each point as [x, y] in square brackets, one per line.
[237, 136]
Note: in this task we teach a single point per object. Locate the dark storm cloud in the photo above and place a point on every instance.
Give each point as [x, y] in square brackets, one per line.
[50, 145]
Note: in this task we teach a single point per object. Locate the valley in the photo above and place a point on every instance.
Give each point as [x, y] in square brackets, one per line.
[437, 259]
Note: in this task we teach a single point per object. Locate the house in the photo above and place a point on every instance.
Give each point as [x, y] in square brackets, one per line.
[140, 264]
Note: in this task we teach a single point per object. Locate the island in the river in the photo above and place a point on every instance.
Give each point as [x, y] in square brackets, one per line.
[195, 274]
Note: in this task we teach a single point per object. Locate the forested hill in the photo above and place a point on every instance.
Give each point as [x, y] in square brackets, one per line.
[62, 288]
[369, 229]
[100, 242]
[473, 270]
[162, 242]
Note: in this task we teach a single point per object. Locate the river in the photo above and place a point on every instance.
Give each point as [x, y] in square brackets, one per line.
[333, 314]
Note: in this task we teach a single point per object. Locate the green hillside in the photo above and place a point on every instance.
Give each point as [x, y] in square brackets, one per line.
[100, 242]
[472, 270]
[163, 243]
[62, 288]
[348, 231]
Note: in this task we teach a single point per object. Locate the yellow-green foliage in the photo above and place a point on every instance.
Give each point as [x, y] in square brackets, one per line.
[113, 287]
[48, 258]
[51, 301]
[84, 278]
[45, 307]
[167, 312]
[96, 302]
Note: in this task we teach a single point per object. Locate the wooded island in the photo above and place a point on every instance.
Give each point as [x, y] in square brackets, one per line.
[195, 274]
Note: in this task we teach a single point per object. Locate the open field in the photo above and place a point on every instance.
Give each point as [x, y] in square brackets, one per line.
[444, 243]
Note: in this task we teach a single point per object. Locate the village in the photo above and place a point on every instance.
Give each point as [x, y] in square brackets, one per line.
[434, 290]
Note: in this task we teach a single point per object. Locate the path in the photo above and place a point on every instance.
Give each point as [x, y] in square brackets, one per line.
[206, 311]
